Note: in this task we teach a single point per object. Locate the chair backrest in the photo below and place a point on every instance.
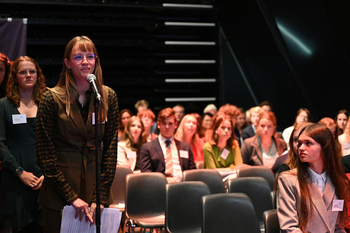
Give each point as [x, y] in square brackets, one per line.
[258, 171]
[210, 177]
[257, 189]
[119, 184]
[145, 194]
[227, 213]
[184, 205]
[271, 221]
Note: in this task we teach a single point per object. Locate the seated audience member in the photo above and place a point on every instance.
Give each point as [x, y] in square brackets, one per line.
[250, 131]
[199, 121]
[345, 163]
[266, 106]
[179, 113]
[148, 117]
[141, 105]
[129, 147]
[303, 115]
[166, 154]
[265, 146]
[230, 110]
[293, 144]
[211, 108]
[144, 105]
[5, 65]
[331, 125]
[313, 197]
[344, 140]
[187, 132]
[240, 125]
[124, 117]
[222, 151]
[247, 118]
[341, 119]
[206, 124]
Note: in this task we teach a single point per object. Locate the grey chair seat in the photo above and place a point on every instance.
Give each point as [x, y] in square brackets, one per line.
[150, 222]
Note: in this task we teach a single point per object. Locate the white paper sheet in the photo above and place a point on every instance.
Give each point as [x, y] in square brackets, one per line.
[110, 221]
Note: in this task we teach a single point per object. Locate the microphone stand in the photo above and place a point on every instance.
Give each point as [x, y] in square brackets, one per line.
[98, 169]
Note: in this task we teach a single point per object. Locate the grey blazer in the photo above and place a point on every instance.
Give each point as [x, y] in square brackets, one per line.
[288, 193]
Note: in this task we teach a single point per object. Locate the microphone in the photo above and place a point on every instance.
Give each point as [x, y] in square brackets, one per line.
[92, 80]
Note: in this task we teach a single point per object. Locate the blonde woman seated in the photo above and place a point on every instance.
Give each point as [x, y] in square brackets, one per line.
[129, 148]
[222, 150]
[187, 132]
[265, 146]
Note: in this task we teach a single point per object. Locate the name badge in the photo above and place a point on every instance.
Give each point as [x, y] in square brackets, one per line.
[19, 119]
[93, 119]
[131, 155]
[338, 205]
[224, 153]
[184, 154]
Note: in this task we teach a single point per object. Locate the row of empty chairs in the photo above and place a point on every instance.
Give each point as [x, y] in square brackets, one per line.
[184, 207]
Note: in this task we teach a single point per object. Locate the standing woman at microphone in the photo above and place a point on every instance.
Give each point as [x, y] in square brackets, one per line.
[66, 137]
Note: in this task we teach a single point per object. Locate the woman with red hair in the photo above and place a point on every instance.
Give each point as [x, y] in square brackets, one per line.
[21, 177]
[265, 146]
[222, 150]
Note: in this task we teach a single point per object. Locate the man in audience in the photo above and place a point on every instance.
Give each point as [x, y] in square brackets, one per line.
[141, 105]
[166, 154]
[179, 113]
[211, 108]
[249, 131]
[266, 106]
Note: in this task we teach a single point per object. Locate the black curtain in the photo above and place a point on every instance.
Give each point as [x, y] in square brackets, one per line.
[13, 36]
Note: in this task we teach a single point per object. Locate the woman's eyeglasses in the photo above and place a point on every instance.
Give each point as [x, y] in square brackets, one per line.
[24, 72]
[79, 58]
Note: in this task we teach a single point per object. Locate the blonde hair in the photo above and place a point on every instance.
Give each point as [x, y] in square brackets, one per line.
[180, 135]
[257, 109]
[129, 139]
[67, 81]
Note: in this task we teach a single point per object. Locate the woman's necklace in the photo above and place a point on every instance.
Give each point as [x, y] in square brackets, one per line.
[82, 103]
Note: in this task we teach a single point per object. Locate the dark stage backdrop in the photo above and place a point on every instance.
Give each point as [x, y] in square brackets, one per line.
[13, 37]
[292, 53]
